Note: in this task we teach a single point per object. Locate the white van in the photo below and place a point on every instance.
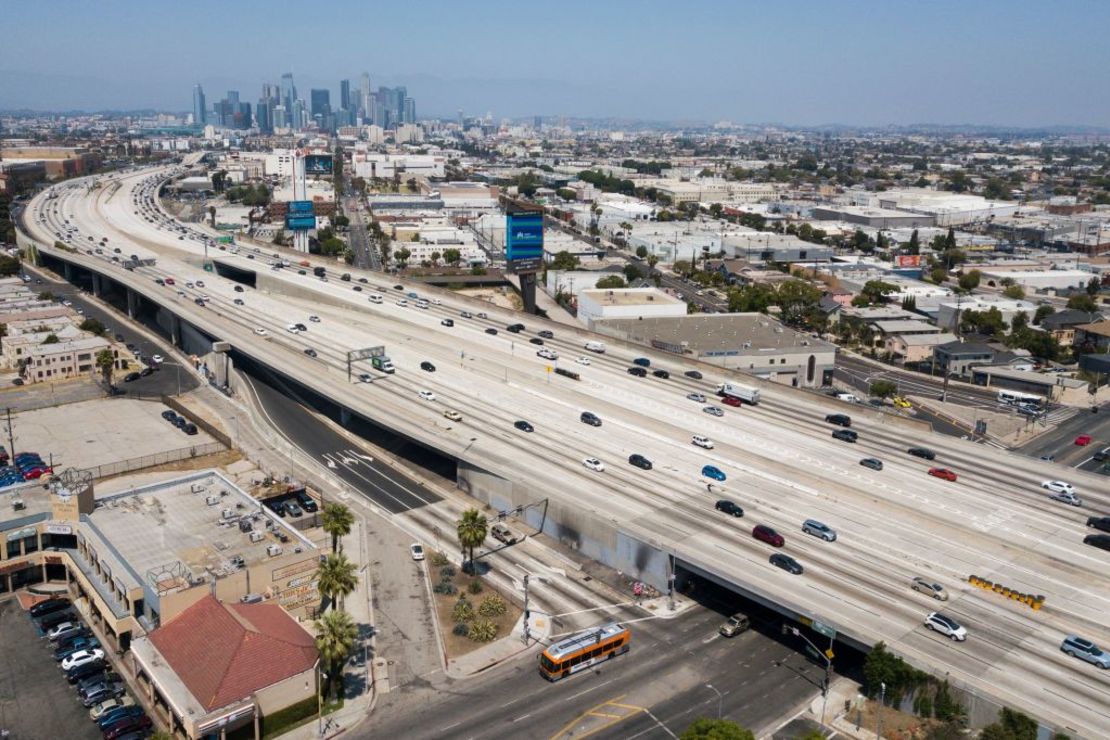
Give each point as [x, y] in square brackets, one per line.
[598, 347]
[375, 298]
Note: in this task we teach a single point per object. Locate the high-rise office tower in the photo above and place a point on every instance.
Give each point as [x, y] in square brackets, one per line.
[288, 90]
[233, 98]
[321, 102]
[281, 120]
[410, 110]
[200, 114]
[345, 94]
[267, 91]
[300, 117]
[364, 94]
[264, 115]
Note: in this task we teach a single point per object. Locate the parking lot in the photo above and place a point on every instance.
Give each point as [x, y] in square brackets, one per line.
[35, 700]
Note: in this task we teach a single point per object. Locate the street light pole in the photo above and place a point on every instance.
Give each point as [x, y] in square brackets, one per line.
[879, 712]
[828, 668]
[719, 698]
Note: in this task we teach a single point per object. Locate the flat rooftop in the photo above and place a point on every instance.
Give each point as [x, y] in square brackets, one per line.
[630, 297]
[705, 334]
[168, 531]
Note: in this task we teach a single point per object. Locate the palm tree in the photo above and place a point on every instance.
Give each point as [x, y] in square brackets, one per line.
[337, 521]
[335, 639]
[105, 363]
[472, 530]
[337, 577]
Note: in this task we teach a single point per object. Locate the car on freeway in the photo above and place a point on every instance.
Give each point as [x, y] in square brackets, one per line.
[693, 374]
[482, 315]
[314, 319]
[842, 420]
[946, 626]
[238, 302]
[927, 587]
[546, 334]
[642, 362]
[712, 471]
[1099, 522]
[763, 533]
[524, 426]
[700, 441]
[238, 288]
[364, 377]
[734, 625]
[310, 352]
[639, 461]
[466, 315]
[787, 563]
[713, 410]
[583, 360]
[731, 401]
[870, 462]
[1101, 541]
[922, 452]
[491, 330]
[943, 474]
[592, 463]
[548, 354]
[260, 331]
[695, 397]
[1086, 650]
[452, 415]
[428, 368]
[447, 322]
[416, 551]
[536, 340]
[731, 508]
[427, 395]
[1083, 440]
[660, 373]
[639, 372]
[588, 417]
[846, 435]
[819, 530]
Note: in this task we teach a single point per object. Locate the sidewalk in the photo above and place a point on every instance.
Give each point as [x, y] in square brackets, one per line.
[506, 648]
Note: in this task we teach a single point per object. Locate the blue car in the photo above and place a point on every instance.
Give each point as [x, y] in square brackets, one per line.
[115, 715]
[709, 471]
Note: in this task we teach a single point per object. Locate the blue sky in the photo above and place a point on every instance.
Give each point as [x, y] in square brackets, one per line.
[789, 61]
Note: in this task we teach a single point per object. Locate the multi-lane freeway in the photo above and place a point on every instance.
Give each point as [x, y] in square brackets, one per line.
[781, 463]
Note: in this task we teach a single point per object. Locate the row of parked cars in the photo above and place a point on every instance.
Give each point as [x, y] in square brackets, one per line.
[23, 467]
[293, 504]
[180, 422]
[83, 661]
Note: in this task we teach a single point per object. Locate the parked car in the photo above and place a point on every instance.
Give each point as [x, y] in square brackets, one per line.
[102, 708]
[84, 671]
[49, 606]
[292, 509]
[307, 502]
[416, 550]
[763, 533]
[115, 715]
[63, 630]
[129, 724]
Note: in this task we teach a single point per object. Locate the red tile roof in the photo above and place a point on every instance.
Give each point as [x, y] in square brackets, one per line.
[225, 652]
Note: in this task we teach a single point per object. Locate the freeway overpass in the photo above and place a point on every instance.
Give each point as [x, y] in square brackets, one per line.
[782, 465]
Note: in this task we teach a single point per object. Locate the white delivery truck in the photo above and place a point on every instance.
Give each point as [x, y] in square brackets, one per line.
[744, 393]
[594, 346]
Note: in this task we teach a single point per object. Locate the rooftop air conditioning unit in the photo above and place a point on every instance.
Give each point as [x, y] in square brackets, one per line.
[273, 550]
[227, 514]
[257, 536]
[211, 500]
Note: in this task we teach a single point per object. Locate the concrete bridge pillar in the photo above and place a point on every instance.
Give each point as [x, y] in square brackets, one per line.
[175, 330]
[67, 272]
[344, 417]
[132, 303]
[97, 285]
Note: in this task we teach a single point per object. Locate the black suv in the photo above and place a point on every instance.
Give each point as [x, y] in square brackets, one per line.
[661, 374]
[1099, 522]
[923, 452]
[49, 606]
[427, 367]
[523, 426]
[842, 420]
[639, 461]
[845, 435]
[515, 328]
[307, 502]
[1101, 541]
[590, 418]
[547, 334]
[730, 508]
[639, 372]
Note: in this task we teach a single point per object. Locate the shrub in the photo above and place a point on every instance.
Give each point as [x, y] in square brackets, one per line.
[446, 588]
[439, 559]
[447, 572]
[474, 587]
[492, 606]
[463, 611]
[482, 630]
[462, 629]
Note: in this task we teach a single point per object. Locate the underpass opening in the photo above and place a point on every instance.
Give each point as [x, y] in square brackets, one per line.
[239, 275]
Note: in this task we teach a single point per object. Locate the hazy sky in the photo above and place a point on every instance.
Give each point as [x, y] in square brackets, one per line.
[1020, 62]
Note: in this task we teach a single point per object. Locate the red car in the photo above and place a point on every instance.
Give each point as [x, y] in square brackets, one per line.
[1083, 440]
[763, 533]
[36, 472]
[169, 281]
[942, 473]
[730, 401]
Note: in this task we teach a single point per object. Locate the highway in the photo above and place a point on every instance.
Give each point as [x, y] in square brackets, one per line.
[782, 464]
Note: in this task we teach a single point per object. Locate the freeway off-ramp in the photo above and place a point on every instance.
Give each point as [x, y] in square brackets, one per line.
[783, 466]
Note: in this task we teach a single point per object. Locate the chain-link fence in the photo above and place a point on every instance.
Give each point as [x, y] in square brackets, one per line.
[150, 461]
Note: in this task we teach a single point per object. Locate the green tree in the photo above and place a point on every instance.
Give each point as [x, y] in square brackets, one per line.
[337, 577]
[1082, 302]
[796, 299]
[436, 255]
[51, 339]
[1015, 292]
[874, 292]
[336, 634]
[914, 245]
[610, 282]
[1011, 725]
[641, 251]
[452, 256]
[564, 260]
[632, 272]
[883, 388]
[402, 257]
[704, 728]
[279, 237]
[1094, 285]
[105, 363]
[996, 189]
[472, 530]
[337, 520]
[9, 265]
[1042, 313]
[93, 326]
[681, 267]
[969, 281]
[938, 274]
[342, 222]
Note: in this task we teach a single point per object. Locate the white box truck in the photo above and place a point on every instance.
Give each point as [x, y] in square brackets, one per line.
[744, 393]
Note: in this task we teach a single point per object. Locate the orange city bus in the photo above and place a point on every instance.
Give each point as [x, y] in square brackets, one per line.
[584, 649]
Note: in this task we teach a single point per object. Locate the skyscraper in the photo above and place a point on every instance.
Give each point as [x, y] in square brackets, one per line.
[410, 110]
[364, 94]
[345, 94]
[288, 91]
[321, 102]
[264, 115]
[298, 114]
[200, 115]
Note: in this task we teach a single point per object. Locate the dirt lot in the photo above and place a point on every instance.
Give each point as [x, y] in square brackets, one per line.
[457, 645]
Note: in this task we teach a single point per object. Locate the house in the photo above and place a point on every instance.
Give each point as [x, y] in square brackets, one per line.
[957, 358]
[1062, 324]
[915, 348]
[1093, 337]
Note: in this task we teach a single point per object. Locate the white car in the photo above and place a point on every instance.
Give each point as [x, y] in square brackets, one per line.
[701, 441]
[292, 329]
[314, 319]
[713, 410]
[945, 626]
[364, 377]
[427, 395]
[81, 657]
[260, 331]
[696, 397]
[402, 302]
[548, 354]
[1058, 486]
[417, 551]
[452, 415]
[592, 463]
[157, 359]
[583, 360]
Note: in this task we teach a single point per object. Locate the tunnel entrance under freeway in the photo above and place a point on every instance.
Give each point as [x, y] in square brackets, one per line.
[700, 584]
[430, 461]
[239, 275]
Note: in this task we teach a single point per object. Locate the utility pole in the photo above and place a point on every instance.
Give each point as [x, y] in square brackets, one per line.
[11, 433]
[879, 712]
[524, 631]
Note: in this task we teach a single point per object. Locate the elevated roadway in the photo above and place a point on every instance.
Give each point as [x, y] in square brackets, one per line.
[782, 464]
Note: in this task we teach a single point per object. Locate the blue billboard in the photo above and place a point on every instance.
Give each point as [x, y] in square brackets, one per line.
[300, 215]
[524, 241]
